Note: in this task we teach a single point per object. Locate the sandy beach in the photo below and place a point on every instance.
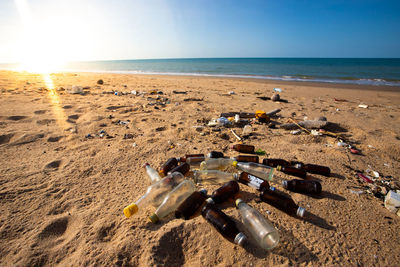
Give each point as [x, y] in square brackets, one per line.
[71, 162]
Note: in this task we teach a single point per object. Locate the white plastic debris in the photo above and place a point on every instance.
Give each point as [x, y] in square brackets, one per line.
[342, 144]
[231, 92]
[279, 90]
[315, 133]
[392, 201]
[75, 89]
[296, 132]
[247, 130]
[363, 106]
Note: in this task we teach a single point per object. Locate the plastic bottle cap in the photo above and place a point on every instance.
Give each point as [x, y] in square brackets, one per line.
[154, 218]
[130, 210]
[300, 211]
[285, 183]
[237, 202]
[239, 239]
[234, 164]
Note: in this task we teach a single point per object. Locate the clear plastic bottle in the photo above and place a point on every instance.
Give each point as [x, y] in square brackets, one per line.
[192, 205]
[261, 171]
[195, 162]
[224, 225]
[216, 164]
[213, 177]
[155, 193]
[303, 186]
[263, 232]
[281, 202]
[173, 200]
[152, 173]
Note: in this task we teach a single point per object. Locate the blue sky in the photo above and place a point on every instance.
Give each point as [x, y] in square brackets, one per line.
[103, 29]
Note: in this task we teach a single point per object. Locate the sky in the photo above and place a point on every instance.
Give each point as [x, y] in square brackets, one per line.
[71, 30]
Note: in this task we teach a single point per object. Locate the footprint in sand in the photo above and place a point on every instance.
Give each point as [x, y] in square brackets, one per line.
[54, 229]
[53, 165]
[16, 118]
[45, 121]
[5, 138]
[54, 139]
[40, 111]
[73, 117]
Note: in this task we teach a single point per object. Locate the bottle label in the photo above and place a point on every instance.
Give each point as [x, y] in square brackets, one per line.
[255, 182]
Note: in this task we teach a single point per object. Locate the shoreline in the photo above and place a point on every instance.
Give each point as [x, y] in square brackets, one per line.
[345, 86]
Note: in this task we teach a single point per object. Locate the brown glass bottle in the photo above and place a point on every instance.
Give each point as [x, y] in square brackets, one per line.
[246, 158]
[184, 168]
[312, 168]
[252, 181]
[281, 202]
[183, 159]
[225, 192]
[293, 171]
[192, 205]
[224, 225]
[215, 154]
[243, 148]
[303, 186]
[275, 162]
[168, 166]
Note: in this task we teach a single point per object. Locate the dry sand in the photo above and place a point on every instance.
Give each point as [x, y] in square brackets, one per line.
[62, 194]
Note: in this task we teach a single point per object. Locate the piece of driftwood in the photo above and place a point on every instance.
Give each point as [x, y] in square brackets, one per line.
[310, 124]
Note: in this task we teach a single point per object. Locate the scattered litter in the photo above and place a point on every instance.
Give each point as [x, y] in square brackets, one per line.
[356, 192]
[363, 106]
[392, 201]
[386, 165]
[231, 92]
[296, 132]
[311, 124]
[100, 81]
[247, 130]
[222, 121]
[315, 133]
[365, 178]
[275, 97]
[342, 144]
[134, 145]
[260, 152]
[75, 89]
[235, 135]
[354, 151]
[128, 136]
[279, 90]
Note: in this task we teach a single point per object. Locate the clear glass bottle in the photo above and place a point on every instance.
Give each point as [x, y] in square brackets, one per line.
[261, 171]
[224, 225]
[213, 177]
[152, 173]
[195, 162]
[192, 205]
[173, 200]
[281, 202]
[187, 156]
[263, 232]
[303, 186]
[155, 193]
[216, 164]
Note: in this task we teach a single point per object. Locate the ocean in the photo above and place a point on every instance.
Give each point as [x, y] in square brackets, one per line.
[364, 71]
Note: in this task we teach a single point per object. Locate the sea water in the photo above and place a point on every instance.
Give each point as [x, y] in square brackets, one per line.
[366, 71]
